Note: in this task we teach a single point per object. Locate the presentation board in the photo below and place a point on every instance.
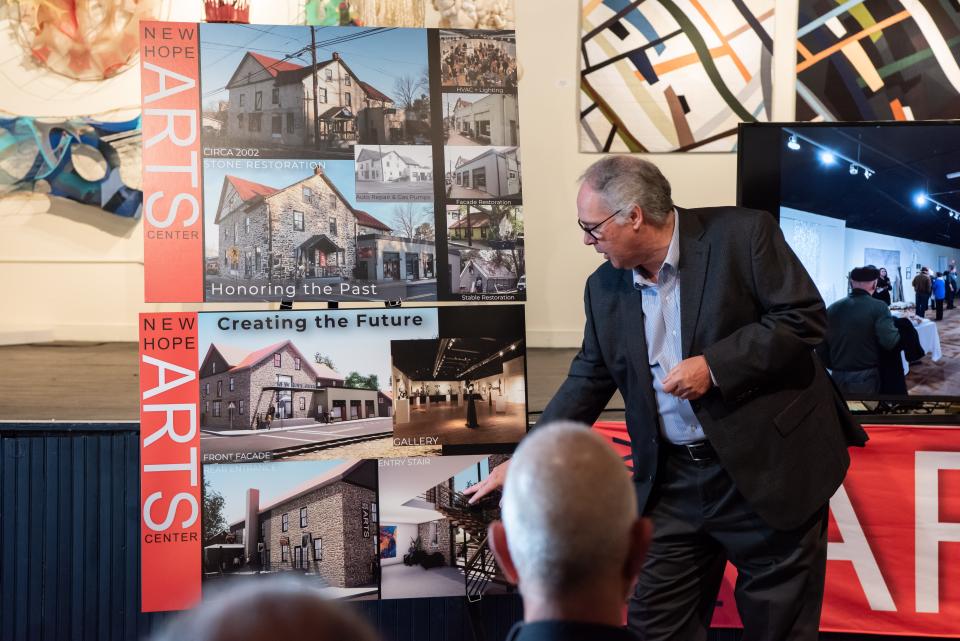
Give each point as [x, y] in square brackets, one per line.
[330, 164]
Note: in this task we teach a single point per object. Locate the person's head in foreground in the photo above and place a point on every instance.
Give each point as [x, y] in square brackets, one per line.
[267, 609]
[864, 278]
[570, 537]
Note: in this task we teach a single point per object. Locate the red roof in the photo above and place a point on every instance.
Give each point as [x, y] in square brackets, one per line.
[375, 93]
[248, 189]
[366, 220]
[273, 65]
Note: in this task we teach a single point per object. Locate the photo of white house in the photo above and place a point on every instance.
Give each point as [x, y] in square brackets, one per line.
[481, 119]
[482, 172]
[394, 172]
[288, 97]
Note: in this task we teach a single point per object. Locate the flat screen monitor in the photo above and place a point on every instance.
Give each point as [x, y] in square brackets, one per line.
[881, 194]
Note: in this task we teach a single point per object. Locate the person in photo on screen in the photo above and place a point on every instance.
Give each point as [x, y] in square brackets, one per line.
[859, 329]
[573, 548]
[922, 286]
[706, 322]
[939, 288]
[882, 292]
[952, 284]
[265, 610]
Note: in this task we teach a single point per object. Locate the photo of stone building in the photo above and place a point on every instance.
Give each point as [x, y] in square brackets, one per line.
[481, 119]
[322, 527]
[441, 546]
[286, 103]
[459, 391]
[394, 172]
[484, 173]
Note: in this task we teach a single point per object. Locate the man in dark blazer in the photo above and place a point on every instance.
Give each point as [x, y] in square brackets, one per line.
[706, 322]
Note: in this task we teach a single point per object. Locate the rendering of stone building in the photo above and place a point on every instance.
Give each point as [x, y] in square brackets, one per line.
[491, 120]
[390, 166]
[325, 527]
[271, 103]
[306, 229]
[238, 389]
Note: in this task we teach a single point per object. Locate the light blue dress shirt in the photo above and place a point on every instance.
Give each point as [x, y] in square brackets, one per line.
[661, 326]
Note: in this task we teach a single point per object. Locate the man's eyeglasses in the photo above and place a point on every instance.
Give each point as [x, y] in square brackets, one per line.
[591, 228]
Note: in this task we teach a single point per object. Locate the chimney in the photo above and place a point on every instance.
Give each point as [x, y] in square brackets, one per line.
[252, 533]
[318, 170]
[336, 56]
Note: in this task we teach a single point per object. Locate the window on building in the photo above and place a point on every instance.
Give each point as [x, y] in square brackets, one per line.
[303, 517]
[240, 121]
[206, 407]
[258, 101]
[296, 362]
[434, 534]
[285, 522]
[263, 530]
[322, 95]
[346, 80]
[240, 406]
[216, 408]
[219, 388]
[231, 384]
[277, 362]
[236, 228]
[214, 368]
[333, 200]
[303, 403]
[346, 99]
[333, 226]
[276, 124]
[329, 74]
[246, 225]
[241, 103]
[318, 549]
[256, 121]
[298, 221]
[284, 552]
[307, 192]
[206, 386]
[275, 96]
[289, 123]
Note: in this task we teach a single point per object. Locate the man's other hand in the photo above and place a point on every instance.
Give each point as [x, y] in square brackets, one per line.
[495, 480]
[689, 380]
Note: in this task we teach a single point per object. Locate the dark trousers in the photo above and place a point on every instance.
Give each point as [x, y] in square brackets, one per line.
[700, 521]
[938, 305]
[950, 296]
[865, 382]
[923, 300]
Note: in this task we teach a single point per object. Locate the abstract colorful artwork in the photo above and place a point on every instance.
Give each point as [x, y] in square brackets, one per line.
[388, 541]
[34, 152]
[673, 75]
[878, 60]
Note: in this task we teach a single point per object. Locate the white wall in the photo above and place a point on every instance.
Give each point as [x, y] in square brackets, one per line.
[71, 272]
[405, 532]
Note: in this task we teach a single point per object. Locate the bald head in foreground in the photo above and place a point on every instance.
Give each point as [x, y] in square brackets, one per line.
[267, 609]
[573, 543]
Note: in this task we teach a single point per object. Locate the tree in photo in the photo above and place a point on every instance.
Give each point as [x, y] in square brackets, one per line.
[214, 524]
[357, 380]
[322, 359]
[408, 217]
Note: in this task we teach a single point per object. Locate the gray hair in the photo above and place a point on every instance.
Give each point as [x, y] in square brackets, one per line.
[623, 181]
[568, 510]
[264, 608]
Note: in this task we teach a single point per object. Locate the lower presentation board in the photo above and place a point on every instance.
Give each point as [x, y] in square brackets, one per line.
[251, 420]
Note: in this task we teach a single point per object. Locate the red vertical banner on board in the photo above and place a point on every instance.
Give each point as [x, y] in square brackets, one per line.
[170, 515]
[173, 221]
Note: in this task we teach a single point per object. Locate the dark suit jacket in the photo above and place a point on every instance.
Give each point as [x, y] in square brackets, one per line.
[747, 304]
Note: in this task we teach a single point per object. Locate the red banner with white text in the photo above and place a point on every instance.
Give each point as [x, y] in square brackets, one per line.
[170, 520]
[173, 229]
[894, 539]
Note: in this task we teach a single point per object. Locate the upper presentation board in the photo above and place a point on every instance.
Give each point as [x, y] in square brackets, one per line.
[330, 164]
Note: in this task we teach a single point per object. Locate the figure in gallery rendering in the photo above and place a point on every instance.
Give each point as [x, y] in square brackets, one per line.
[743, 365]
[270, 413]
[471, 407]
